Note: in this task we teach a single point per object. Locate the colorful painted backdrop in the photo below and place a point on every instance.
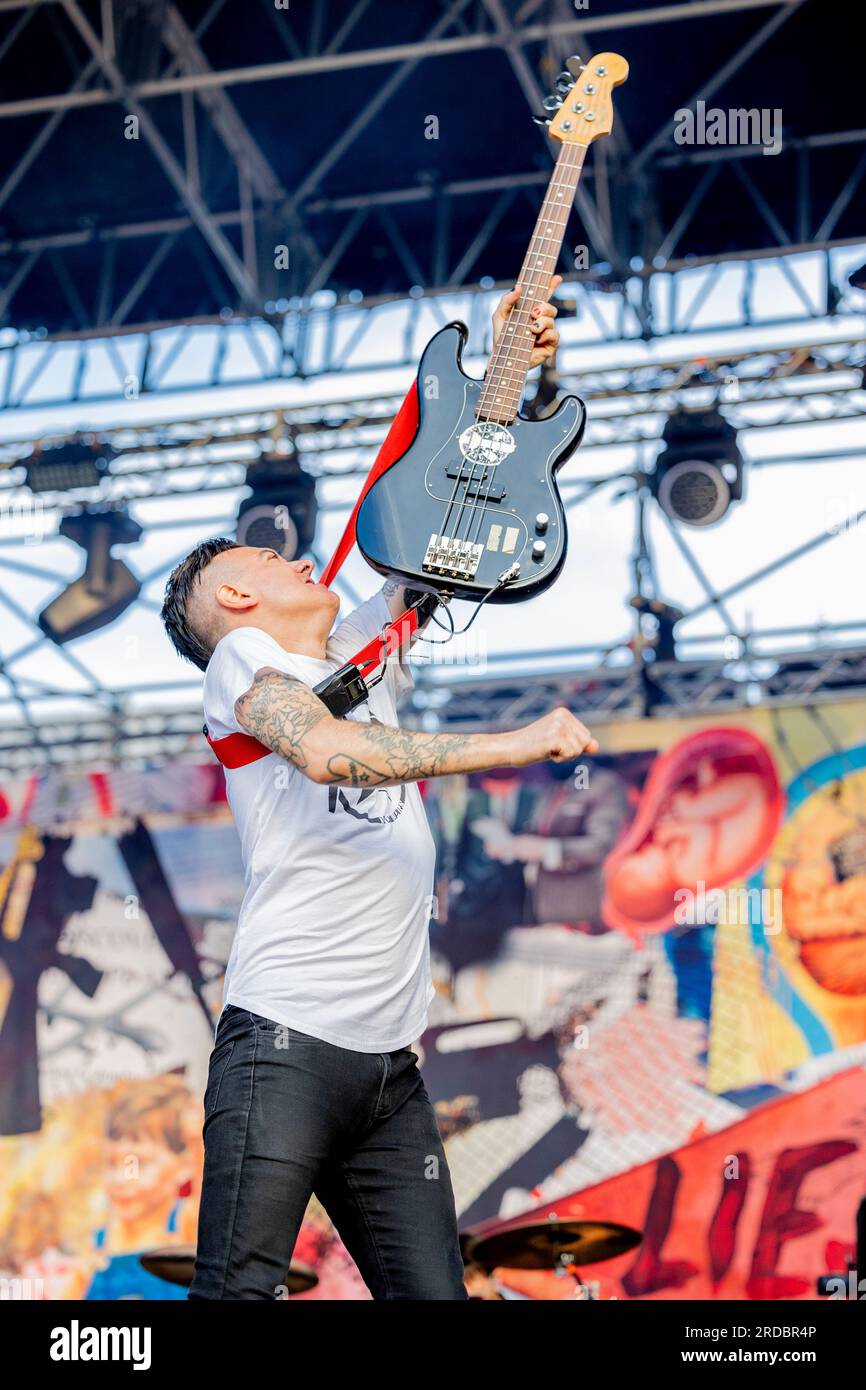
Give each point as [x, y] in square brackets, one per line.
[651, 1008]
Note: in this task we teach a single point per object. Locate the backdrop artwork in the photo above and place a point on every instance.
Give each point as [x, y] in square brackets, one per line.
[651, 1008]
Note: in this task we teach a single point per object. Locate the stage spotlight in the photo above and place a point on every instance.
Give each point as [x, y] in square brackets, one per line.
[700, 469]
[79, 462]
[281, 511]
[106, 588]
[857, 278]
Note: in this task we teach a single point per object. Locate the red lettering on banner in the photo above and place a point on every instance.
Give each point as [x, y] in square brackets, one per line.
[723, 1227]
[782, 1221]
[650, 1272]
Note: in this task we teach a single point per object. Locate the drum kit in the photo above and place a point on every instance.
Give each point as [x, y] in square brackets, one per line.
[176, 1265]
[555, 1246]
[562, 1248]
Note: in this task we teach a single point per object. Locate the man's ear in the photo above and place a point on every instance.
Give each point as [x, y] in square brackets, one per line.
[235, 599]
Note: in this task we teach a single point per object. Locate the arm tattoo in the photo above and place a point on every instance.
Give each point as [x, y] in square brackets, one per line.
[280, 711]
[380, 755]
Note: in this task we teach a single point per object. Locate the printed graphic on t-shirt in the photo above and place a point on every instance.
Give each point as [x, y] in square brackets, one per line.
[377, 805]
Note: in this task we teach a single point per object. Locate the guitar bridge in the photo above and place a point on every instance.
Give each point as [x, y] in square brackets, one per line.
[452, 556]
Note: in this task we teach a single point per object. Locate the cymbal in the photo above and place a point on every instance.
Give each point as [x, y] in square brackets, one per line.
[550, 1244]
[176, 1265]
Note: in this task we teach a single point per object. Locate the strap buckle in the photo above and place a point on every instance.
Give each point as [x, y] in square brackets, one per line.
[351, 685]
[343, 690]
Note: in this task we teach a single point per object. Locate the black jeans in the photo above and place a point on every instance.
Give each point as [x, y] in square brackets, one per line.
[287, 1115]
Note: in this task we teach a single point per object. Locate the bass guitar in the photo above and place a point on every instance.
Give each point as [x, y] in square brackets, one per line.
[472, 509]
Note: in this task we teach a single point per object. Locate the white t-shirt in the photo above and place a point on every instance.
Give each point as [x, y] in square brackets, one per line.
[332, 936]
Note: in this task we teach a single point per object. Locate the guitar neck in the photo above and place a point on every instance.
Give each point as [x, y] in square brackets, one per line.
[510, 360]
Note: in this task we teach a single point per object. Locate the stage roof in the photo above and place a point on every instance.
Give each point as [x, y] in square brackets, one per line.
[307, 126]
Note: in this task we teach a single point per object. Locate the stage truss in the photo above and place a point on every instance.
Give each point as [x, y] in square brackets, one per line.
[318, 338]
[643, 200]
[817, 380]
[644, 304]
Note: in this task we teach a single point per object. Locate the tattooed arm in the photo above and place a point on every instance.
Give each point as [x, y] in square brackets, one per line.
[288, 718]
[395, 596]
[398, 597]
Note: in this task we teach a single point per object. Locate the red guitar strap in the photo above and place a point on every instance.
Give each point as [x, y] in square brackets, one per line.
[396, 442]
[237, 750]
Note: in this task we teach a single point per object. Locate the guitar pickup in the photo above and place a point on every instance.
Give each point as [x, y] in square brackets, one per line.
[449, 555]
[476, 484]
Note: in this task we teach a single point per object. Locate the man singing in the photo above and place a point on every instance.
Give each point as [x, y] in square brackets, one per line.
[312, 1086]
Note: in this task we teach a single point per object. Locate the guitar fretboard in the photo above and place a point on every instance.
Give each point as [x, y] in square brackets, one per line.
[509, 362]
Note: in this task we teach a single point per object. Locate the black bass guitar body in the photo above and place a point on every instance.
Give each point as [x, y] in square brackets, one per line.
[471, 500]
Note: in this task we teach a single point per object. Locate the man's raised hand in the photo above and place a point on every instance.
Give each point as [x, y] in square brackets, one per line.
[541, 317]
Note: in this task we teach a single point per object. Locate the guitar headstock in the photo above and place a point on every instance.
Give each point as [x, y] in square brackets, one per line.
[582, 110]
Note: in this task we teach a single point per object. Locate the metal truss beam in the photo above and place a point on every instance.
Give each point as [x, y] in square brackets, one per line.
[163, 718]
[195, 205]
[116, 732]
[190, 74]
[46, 132]
[635, 318]
[396, 53]
[747, 50]
[818, 380]
[605, 694]
[454, 188]
[312, 341]
[236, 137]
[249, 159]
[344, 142]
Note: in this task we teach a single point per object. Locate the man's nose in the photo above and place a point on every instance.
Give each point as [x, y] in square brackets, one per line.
[302, 567]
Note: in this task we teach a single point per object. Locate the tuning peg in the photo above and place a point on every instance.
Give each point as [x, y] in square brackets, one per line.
[575, 64]
[564, 83]
[541, 120]
[552, 103]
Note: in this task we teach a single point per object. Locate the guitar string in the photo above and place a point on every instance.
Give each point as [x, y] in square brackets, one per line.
[556, 213]
[520, 314]
[558, 186]
[552, 216]
[543, 221]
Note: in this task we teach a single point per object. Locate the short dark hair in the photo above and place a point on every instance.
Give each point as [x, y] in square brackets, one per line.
[178, 591]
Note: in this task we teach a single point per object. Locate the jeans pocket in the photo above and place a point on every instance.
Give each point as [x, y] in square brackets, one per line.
[266, 1025]
[219, 1060]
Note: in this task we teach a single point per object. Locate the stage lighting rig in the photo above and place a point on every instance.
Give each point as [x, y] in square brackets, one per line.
[78, 462]
[281, 510]
[699, 472]
[106, 588]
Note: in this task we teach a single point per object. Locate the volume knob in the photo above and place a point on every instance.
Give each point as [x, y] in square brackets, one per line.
[542, 521]
[539, 550]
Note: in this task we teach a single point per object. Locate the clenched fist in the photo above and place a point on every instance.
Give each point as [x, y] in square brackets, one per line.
[557, 737]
